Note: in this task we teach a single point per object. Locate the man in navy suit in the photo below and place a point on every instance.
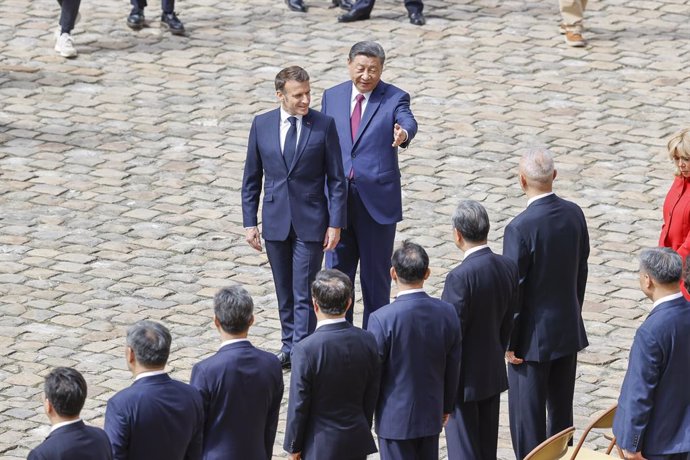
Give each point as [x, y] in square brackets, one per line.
[69, 439]
[653, 417]
[418, 340]
[550, 244]
[295, 150]
[373, 119]
[241, 385]
[157, 418]
[334, 382]
[483, 289]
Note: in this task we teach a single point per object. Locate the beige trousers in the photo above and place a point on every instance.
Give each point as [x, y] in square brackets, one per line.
[571, 11]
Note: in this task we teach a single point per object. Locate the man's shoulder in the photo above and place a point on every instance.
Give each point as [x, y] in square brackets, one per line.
[338, 88]
[265, 116]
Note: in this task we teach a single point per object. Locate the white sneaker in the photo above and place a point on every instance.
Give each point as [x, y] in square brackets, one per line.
[65, 46]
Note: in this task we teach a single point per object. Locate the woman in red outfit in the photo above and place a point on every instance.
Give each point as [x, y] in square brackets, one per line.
[675, 233]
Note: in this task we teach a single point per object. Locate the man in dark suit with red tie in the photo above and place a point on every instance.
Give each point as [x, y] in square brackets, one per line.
[549, 242]
[241, 385]
[295, 151]
[69, 439]
[483, 289]
[653, 417]
[156, 418]
[373, 119]
[418, 339]
[334, 382]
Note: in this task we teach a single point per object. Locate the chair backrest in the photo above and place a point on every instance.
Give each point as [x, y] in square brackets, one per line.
[553, 448]
[602, 421]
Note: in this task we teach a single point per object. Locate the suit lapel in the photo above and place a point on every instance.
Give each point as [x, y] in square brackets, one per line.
[275, 121]
[303, 139]
[372, 107]
[342, 117]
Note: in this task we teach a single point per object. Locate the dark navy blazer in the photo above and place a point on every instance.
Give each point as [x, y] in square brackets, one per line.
[294, 194]
[156, 418]
[653, 414]
[241, 387]
[374, 160]
[483, 289]
[418, 341]
[333, 390]
[550, 244]
[75, 441]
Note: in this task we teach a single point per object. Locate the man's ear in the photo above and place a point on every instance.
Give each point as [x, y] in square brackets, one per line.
[427, 274]
[394, 275]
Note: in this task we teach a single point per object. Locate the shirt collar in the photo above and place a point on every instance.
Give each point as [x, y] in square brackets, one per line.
[474, 249]
[538, 197]
[61, 424]
[148, 374]
[284, 115]
[325, 322]
[675, 296]
[231, 341]
[409, 291]
[355, 92]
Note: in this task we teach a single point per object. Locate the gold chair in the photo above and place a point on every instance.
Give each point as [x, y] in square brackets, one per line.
[553, 448]
[602, 422]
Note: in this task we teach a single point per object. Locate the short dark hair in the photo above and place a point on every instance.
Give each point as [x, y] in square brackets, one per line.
[663, 265]
[410, 262]
[471, 220]
[292, 73]
[150, 342]
[332, 290]
[368, 48]
[65, 388]
[234, 307]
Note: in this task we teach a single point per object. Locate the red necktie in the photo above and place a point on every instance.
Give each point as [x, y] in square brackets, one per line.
[356, 116]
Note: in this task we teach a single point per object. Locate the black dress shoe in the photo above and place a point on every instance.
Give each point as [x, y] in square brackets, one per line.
[417, 19]
[354, 15]
[136, 20]
[296, 5]
[284, 359]
[343, 4]
[170, 22]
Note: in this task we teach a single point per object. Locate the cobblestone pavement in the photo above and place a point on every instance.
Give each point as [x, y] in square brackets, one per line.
[121, 169]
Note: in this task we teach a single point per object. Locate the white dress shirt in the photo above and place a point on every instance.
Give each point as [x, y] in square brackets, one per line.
[285, 126]
[675, 296]
[325, 322]
[409, 291]
[61, 424]
[475, 249]
[538, 197]
[231, 341]
[148, 374]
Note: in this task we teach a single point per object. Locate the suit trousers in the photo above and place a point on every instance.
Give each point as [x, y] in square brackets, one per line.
[412, 6]
[68, 14]
[425, 448]
[370, 244]
[168, 6]
[472, 430]
[294, 264]
[536, 388]
[572, 12]
[683, 456]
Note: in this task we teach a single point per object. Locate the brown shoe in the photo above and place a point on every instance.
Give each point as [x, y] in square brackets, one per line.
[574, 39]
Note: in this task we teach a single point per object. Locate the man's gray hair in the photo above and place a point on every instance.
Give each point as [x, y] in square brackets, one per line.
[537, 165]
[471, 220]
[234, 308]
[663, 265]
[370, 49]
[150, 342]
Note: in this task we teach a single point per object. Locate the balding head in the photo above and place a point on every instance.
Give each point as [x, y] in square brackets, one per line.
[537, 171]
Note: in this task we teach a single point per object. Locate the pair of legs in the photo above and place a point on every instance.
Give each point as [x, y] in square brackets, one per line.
[294, 264]
[472, 429]
[535, 390]
[572, 12]
[168, 6]
[425, 448]
[369, 244]
[69, 9]
[412, 6]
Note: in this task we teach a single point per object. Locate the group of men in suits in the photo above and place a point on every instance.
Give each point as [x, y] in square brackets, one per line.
[331, 183]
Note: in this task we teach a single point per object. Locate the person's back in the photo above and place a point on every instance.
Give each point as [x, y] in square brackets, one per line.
[74, 442]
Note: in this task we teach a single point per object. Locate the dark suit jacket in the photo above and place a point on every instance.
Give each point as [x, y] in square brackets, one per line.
[294, 194]
[74, 442]
[333, 390]
[550, 244]
[241, 387]
[418, 341]
[653, 413]
[483, 289]
[375, 162]
[157, 418]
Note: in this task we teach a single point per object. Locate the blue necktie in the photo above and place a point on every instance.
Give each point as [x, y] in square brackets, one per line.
[290, 142]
